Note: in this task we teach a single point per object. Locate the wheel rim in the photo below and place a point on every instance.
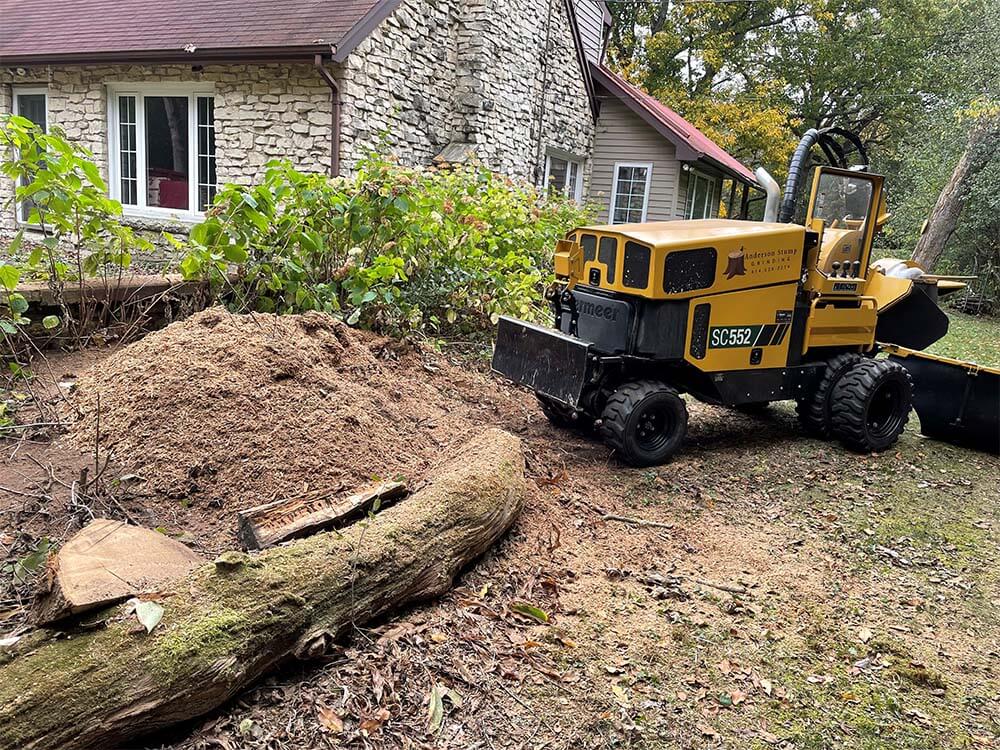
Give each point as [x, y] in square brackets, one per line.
[653, 427]
[885, 410]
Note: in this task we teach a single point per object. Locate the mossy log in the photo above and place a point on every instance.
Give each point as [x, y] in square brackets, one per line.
[229, 622]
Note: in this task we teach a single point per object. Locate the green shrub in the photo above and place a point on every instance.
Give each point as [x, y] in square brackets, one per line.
[391, 248]
[79, 233]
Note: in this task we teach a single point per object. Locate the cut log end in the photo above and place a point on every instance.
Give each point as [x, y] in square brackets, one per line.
[106, 562]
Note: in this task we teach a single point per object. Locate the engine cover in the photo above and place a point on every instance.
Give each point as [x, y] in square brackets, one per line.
[603, 321]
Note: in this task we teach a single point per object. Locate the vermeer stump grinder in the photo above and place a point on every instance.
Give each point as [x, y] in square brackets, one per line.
[744, 313]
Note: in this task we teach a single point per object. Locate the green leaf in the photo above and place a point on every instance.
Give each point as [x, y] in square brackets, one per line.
[529, 610]
[8, 327]
[15, 243]
[17, 303]
[235, 254]
[31, 562]
[50, 321]
[190, 266]
[9, 276]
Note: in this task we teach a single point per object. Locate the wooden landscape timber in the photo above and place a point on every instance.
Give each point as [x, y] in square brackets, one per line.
[106, 562]
[225, 625]
[273, 523]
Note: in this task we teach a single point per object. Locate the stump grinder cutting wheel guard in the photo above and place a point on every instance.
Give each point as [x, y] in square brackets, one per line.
[740, 314]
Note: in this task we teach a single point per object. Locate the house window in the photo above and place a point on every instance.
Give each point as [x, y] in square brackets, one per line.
[31, 104]
[701, 196]
[630, 192]
[564, 176]
[163, 151]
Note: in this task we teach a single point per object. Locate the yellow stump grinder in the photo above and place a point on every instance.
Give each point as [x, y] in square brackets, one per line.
[744, 313]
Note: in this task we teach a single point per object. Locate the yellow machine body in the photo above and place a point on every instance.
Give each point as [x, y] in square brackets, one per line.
[752, 275]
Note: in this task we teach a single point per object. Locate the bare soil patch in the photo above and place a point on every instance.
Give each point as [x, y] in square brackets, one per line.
[801, 596]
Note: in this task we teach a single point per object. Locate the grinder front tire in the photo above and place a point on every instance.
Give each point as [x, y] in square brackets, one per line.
[870, 405]
[645, 422]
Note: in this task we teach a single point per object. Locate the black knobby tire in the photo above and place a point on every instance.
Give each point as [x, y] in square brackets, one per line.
[645, 422]
[563, 416]
[814, 409]
[870, 405]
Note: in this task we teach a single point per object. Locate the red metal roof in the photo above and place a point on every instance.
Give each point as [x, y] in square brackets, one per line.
[92, 30]
[687, 137]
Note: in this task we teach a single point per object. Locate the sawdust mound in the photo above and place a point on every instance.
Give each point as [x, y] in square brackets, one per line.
[225, 412]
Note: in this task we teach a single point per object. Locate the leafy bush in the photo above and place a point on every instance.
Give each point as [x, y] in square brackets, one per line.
[79, 227]
[393, 248]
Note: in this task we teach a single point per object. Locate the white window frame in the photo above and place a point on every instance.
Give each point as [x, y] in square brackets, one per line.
[619, 165]
[17, 91]
[578, 187]
[713, 182]
[192, 91]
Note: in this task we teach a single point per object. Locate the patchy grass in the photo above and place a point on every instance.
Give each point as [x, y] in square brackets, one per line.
[972, 338]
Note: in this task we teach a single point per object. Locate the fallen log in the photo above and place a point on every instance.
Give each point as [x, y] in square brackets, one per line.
[106, 562]
[281, 520]
[227, 623]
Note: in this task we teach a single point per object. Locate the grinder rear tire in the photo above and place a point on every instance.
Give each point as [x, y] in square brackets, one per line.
[870, 405]
[645, 422]
[814, 409]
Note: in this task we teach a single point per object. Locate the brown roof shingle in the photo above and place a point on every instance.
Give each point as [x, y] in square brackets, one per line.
[91, 30]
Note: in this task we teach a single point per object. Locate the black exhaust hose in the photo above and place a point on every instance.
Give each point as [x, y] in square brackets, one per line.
[795, 169]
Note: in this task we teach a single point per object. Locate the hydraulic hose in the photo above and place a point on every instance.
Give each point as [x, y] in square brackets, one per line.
[795, 169]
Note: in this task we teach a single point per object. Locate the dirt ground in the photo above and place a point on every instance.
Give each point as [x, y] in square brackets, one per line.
[792, 595]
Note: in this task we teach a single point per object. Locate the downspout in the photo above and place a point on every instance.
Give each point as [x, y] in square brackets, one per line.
[335, 115]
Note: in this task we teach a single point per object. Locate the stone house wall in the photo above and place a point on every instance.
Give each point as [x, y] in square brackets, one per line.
[262, 112]
[434, 73]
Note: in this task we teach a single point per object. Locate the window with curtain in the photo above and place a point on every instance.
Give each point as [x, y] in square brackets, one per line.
[163, 153]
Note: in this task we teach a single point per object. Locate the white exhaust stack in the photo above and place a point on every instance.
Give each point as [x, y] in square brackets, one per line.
[773, 190]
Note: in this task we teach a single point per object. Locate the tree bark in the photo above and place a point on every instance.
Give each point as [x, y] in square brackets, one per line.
[944, 217]
[228, 623]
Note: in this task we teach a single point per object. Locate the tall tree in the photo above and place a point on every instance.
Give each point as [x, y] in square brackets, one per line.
[866, 65]
[983, 144]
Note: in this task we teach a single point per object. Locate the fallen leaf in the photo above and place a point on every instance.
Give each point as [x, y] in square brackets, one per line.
[148, 614]
[865, 635]
[620, 695]
[737, 697]
[529, 610]
[329, 719]
[435, 707]
[707, 730]
[373, 723]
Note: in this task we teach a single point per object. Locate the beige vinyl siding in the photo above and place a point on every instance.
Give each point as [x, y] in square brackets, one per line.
[623, 137]
[590, 19]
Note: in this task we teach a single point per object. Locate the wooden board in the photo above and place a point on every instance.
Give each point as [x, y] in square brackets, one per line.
[267, 525]
[106, 562]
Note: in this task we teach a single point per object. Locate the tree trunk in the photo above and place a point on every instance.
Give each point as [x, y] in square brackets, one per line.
[228, 623]
[944, 218]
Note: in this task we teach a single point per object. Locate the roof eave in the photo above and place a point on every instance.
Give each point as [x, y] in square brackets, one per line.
[729, 171]
[360, 31]
[683, 150]
[172, 56]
